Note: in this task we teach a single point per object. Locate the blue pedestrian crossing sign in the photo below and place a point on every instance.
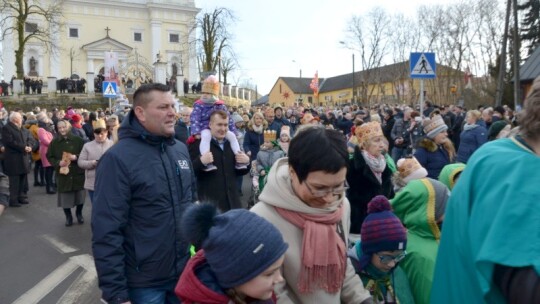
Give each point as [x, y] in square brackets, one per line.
[423, 65]
[109, 89]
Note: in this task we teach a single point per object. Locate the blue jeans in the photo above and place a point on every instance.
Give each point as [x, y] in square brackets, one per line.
[154, 295]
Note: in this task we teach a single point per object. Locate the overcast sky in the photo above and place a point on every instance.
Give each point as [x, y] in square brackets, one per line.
[269, 35]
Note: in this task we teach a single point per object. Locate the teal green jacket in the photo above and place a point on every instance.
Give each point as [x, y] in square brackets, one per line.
[493, 217]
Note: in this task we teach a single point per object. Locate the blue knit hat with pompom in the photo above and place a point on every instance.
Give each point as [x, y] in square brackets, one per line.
[381, 230]
[238, 244]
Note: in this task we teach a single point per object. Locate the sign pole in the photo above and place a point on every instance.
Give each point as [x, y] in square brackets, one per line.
[110, 105]
[421, 97]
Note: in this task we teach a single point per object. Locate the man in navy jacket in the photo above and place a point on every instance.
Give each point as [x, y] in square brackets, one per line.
[143, 185]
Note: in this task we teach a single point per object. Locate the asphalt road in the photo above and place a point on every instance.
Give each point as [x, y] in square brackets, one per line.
[42, 261]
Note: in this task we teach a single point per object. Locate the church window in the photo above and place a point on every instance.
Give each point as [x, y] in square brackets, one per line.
[137, 37]
[30, 27]
[73, 32]
[174, 38]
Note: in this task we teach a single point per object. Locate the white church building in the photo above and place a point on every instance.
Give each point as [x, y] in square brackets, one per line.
[137, 30]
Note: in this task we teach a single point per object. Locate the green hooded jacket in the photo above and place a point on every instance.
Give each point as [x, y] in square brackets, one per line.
[414, 205]
[449, 173]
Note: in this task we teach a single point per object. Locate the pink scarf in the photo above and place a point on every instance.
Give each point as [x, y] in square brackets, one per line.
[323, 265]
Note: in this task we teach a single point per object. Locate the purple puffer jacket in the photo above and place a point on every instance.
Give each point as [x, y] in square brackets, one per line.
[200, 117]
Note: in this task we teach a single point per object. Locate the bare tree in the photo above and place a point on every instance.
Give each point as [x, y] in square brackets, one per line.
[227, 65]
[1, 61]
[214, 38]
[17, 17]
[369, 36]
[464, 36]
[406, 36]
[489, 46]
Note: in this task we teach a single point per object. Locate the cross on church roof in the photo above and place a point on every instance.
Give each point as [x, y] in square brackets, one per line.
[107, 29]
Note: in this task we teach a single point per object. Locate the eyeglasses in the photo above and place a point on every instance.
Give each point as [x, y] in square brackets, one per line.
[324, 192]
[386, 259]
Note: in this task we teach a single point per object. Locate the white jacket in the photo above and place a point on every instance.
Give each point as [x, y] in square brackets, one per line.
[92, 151]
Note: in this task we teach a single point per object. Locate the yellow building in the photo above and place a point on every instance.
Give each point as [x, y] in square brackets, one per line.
[389, 84]
[137, 30]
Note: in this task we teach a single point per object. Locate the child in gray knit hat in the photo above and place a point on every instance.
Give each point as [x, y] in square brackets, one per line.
[239, 259]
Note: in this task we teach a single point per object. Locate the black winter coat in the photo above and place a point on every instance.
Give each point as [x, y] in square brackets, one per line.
[219, 186]
[387, 131]
[89, 130]
[144, 183]
[363, 186]
[15, 139]
[181, 132]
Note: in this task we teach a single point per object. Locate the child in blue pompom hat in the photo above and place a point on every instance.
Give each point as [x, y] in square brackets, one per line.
[239, 261]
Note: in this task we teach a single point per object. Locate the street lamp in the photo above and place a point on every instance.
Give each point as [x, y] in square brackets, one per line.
[353, 84]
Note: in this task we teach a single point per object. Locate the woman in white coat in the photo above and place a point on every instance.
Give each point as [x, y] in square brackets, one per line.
[92, 152]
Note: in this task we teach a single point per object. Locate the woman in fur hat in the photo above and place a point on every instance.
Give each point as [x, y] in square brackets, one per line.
[435, 150]
[368, 174]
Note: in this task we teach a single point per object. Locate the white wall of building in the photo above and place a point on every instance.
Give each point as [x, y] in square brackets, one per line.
[155, 20]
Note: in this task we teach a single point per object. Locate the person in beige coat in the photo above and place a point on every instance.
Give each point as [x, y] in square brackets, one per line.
[305, 199]
[92, 152]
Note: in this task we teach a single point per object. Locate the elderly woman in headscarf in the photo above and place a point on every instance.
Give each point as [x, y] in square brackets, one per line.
[368, 174]
[435, 150]
[63, 153]
[420, 204]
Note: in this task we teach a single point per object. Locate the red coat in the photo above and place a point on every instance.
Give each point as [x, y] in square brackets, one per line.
[191, 290]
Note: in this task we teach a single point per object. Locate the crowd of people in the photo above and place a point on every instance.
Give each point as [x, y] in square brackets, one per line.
[348, 203]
